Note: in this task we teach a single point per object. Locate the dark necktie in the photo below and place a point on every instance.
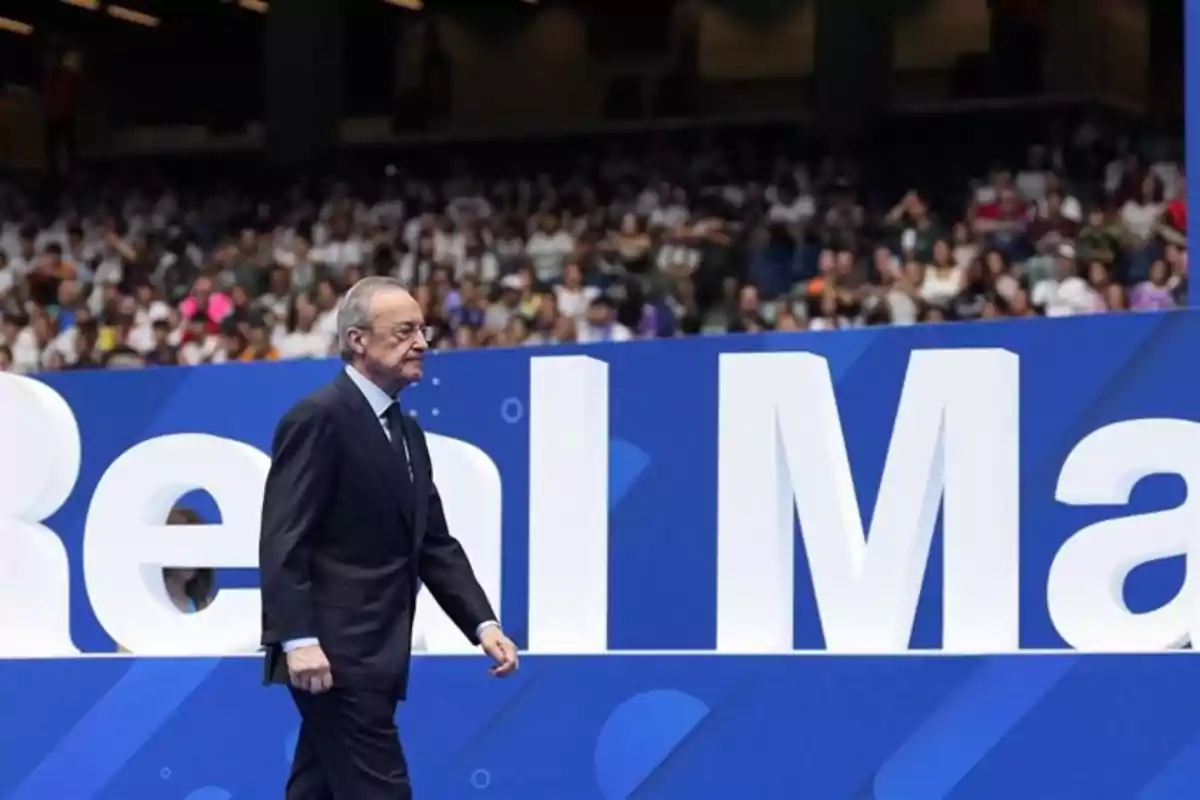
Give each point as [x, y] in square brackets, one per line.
[394, 417]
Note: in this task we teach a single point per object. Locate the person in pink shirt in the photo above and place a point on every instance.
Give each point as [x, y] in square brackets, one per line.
[203, 300]
[1153, 294]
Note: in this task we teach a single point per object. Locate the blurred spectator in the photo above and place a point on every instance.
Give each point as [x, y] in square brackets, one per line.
[600, 324]
[161, 352]
[1066, 293]
[190, 589]
[199, 344]
[1154, 293]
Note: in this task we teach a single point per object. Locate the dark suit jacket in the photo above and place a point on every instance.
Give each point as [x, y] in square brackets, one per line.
[342, 548]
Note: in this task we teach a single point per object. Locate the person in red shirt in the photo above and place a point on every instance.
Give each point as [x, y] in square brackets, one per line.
[1172, 224]
[1176, 213]
[1004, 221]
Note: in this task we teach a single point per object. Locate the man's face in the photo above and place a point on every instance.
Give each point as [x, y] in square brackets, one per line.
[394, 346]
[201, 290]
[597, 314]
[5, 361]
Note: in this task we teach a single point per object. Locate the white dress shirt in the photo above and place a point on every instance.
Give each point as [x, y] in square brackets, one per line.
[380, 401]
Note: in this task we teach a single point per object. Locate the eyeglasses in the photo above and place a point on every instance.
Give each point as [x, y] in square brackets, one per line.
[407, 331]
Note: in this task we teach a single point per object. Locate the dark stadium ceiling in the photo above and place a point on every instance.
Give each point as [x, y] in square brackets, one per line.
[49, 17]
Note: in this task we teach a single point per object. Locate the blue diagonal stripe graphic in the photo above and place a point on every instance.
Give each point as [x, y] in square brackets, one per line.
[1178, 779]
[627, 462]
[108, 735]
[967, 726]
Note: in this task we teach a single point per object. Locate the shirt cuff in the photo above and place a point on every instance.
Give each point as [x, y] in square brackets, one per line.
[483, 626]
[292, 644]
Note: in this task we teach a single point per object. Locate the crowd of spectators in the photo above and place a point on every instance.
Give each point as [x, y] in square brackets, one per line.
[621, 246]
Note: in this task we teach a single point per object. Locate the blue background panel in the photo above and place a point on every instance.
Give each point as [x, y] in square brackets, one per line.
[662, 725]
[1040, 727]
[1076, 375]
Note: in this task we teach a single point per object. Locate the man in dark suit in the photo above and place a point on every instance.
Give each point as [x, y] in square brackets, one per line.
[351, 522]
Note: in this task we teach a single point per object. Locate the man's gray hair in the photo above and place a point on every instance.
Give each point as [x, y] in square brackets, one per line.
[355, 309]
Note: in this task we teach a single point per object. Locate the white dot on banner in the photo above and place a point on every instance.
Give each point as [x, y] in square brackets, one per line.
[481, 779]
[436, 412]
[437, 381]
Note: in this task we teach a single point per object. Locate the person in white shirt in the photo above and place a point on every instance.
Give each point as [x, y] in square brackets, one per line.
[201, 346]
[1069, 205]
[326, 301]
[1032, 181]
[388, 212]
[649, 199]
[1140, 215]
[571, 296]
[600, 324]
[674, 213]
[7, 277]
[791, 207]
[24, 253]
[1066, 294]
[548, 247]
[449, 244]
[942, 280]
[21, 343]
[301, 338]
[342, 250]
[146, 309]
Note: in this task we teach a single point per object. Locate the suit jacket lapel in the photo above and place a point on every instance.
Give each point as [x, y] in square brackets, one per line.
[376, 445]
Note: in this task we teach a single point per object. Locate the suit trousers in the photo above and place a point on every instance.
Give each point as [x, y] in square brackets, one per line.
[348, 748]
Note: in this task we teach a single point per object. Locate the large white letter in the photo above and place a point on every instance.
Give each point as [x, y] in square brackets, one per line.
[1085, 589]
[127, 543]
[469, 484]
[781, 437]
[568, 505]
[39, 463]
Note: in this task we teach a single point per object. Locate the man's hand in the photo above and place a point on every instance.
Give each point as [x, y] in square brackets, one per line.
[309, 670]
[501, 649]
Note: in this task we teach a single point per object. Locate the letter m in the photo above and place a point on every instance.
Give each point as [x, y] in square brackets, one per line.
[954, 446]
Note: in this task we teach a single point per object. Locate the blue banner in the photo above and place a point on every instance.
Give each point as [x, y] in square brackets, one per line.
[1122, 385]
[617, 727]
[1012, 487]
